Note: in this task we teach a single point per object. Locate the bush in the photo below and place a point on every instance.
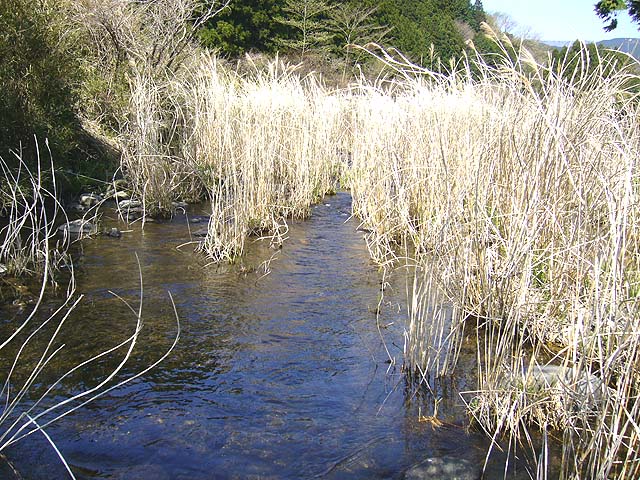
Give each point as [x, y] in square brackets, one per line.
[40, 74]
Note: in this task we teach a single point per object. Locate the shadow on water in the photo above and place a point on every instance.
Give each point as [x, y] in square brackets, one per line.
[278, 375]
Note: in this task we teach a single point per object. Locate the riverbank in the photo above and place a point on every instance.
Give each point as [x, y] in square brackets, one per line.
[513, 188]
[282, 368]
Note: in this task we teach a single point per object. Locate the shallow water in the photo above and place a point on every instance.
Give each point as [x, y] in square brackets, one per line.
[281, 370]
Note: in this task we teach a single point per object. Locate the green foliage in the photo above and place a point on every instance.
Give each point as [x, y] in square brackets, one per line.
[412, 26]
[476, 15]
[39, 74]
[495, 53]
[608, 10]
[245, 25]
[308, 20]
[417, 25]
[354, 25]
[579, 62]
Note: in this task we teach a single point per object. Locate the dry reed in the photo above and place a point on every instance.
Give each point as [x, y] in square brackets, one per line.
[518, 189]
[262, 147]
[31, 211]
[270, 144]
[515, 183]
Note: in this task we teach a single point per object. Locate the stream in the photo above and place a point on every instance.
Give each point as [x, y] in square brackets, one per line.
[282, 370]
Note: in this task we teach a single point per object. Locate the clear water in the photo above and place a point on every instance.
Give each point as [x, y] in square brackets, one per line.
[278, 375]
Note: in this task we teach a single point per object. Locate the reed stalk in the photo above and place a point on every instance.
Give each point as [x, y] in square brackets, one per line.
[32, 345]
[518, 190]
[264, 145]
[31, 210]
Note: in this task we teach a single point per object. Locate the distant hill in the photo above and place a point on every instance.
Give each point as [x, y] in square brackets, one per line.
[555, 44]
[627, 45]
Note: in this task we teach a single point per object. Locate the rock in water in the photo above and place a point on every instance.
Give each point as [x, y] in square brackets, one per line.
[130, 210]
[199, 219]
[444, 468]
[583, 389]
[75, 207]
[77, 228]
[201, 233]
[114, 233]
[88, 200]
[120, 195]
[129, 204]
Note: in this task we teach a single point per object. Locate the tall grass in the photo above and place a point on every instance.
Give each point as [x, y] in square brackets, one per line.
[150, 142]
[30, 378]
[518, 189]
[30, 209]
[269, 142]
[433, 333]
[261, 147]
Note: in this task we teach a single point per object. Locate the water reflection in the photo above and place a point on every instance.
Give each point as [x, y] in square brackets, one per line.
[282, 375]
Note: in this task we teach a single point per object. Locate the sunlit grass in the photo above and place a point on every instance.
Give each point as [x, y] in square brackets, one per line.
[514, 185]
[261, 148]
[518, 190]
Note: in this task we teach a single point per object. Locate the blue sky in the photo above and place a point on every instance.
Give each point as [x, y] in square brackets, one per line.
[561, 19]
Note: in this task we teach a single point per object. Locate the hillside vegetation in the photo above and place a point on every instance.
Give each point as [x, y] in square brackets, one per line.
[326, 26]
[510, 181]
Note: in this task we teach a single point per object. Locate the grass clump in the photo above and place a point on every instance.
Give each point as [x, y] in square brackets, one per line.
[267, 143]
[30, 211]
[518, 190]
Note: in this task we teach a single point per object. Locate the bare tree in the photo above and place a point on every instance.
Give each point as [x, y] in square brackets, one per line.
[503, 22]
[356, 26]
[142, 49]
[150, 36]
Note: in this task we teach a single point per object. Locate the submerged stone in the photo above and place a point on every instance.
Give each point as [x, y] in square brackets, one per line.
[131, 210]
[88, 200]
[78, 227]
[114, 233]
[583, 388]
[120, 195]
[199, 219]
[130, 204]
[444, 468]
[75, 207]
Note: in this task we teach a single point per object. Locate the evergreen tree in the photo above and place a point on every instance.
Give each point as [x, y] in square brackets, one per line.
[308, 20]
[419, 28]
[353, 24]
[246, 25]
[417, 25]
[608, 11]
[477, 15]
[577, 62]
